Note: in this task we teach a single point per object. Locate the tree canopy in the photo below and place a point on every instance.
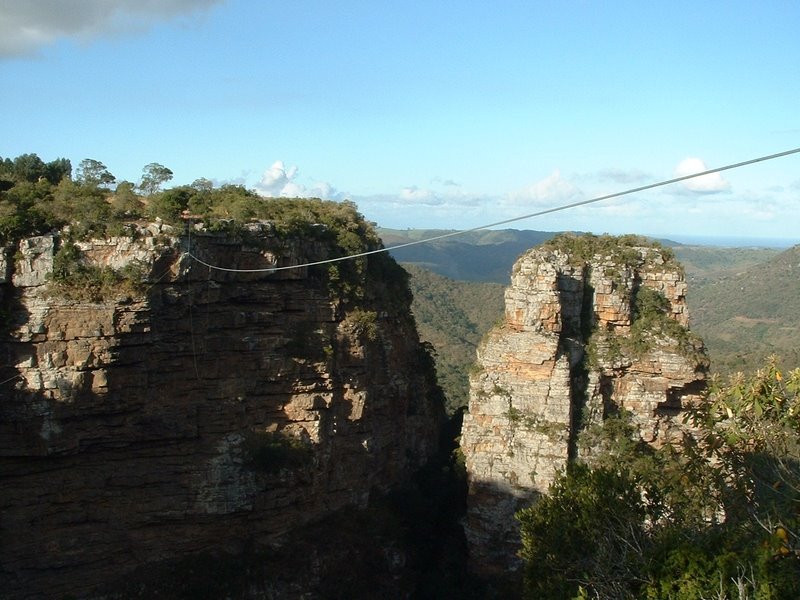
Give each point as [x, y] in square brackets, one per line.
[714, 515]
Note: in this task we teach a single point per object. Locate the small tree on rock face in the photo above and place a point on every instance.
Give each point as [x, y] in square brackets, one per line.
[154, 176]
[94, 173]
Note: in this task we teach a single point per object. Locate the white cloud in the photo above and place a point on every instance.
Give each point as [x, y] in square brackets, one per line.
[26, 26]
[276, 179]
[706, 184]
[553, 189]
[280, 181]
[419, 195]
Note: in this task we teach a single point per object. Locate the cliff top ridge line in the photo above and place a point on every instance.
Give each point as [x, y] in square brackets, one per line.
[196, 411]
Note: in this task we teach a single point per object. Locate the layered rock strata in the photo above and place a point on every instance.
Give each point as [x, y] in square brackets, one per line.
[212, 410]
[572, 349]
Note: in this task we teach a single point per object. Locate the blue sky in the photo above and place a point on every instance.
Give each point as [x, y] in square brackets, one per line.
[426, 114]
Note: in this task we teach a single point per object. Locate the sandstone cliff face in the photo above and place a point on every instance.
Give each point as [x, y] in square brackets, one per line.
[128, 427]
[568, 353]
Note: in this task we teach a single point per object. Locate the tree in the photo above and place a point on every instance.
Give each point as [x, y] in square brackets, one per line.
[154, 176]
[58, 169]
[29, 167]
[170, 204]
[125, 202]
[714, 516]
[93, 173]
[587, 534]
[202, 184]
[750, 434]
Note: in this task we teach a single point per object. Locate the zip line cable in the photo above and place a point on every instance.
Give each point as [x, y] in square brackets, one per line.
[505, 221]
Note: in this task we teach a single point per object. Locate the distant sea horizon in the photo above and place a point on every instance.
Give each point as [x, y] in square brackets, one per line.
[731, 241]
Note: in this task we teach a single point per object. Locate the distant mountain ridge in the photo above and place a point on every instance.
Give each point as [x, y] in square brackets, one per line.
[744, 302]
[465, 257]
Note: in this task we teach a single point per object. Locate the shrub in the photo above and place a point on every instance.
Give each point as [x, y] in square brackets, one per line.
[73, 279]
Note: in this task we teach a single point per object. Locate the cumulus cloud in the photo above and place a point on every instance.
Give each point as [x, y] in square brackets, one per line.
[712, 183]
[26, 26]
[280, 181]
[419, 195]
[553, 189]
[276, 179]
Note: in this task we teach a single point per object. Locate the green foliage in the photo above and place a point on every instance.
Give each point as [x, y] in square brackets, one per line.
[154, 175]
[750, 433]
[31, 168]
[587, 532]
[624, 249]
[125, 204]
[170, 204]
[453, 316]
[364, 323]
[749, 310]
[272, 452]
[23, 211]
[716, 516]
[651, 324]
[73, 279]
[93, 173]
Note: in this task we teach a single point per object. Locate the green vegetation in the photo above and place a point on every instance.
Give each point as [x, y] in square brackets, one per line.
[38, 198]
[651, 324]
[73, 279]
[623, 250]
[709, 516]
[453, 316]
[364, 323]
[743, 301]
[747, 314]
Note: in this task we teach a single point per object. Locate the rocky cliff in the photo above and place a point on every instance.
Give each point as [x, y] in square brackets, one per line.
[204, 410]
[592, 326]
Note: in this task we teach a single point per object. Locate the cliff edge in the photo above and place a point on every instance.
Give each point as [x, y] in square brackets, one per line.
[199, 409]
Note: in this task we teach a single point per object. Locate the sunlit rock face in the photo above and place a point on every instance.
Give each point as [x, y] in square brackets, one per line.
[569, 353]
[130, 426]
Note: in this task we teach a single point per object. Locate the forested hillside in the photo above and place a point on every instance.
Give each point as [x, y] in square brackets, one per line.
[453, 317]
[747, 315]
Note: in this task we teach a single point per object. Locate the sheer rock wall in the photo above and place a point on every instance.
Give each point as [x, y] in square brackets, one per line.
[125, 424]
[559, 362]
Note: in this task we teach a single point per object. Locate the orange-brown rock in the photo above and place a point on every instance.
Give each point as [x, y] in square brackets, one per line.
[124, 423]
[569, 353]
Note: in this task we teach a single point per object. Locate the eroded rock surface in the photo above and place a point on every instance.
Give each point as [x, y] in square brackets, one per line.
[569, 353]
[127, 426]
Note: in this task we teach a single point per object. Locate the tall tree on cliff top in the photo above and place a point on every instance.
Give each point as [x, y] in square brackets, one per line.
[154, 176]
[94, 173]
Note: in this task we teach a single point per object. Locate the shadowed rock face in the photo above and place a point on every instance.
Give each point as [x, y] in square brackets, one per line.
[568, 353]
[127, 426]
